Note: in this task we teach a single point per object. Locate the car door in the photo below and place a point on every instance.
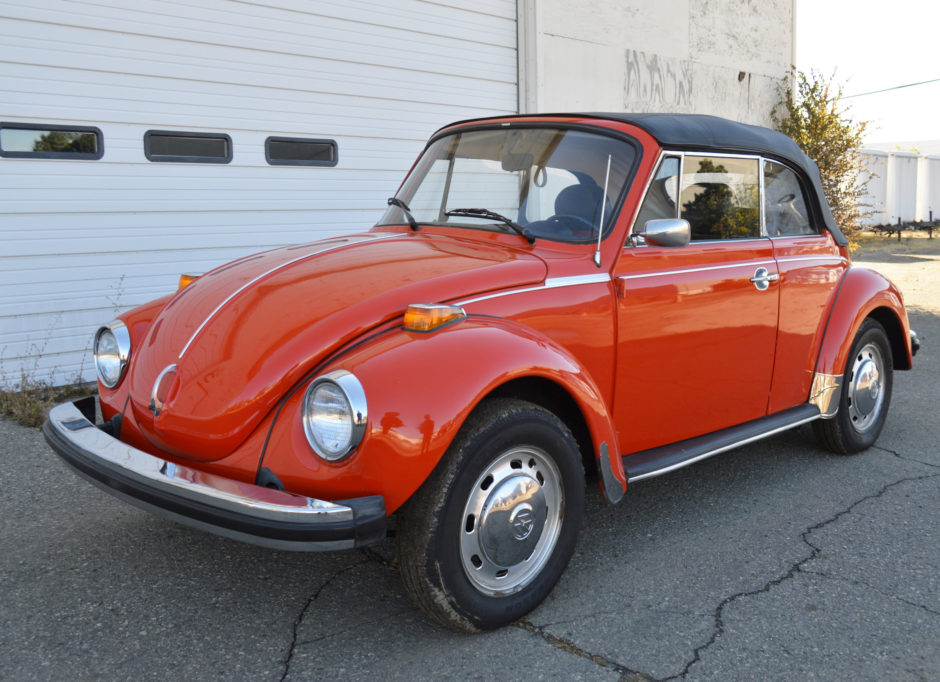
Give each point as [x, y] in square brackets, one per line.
[697, 324]
[810, 266]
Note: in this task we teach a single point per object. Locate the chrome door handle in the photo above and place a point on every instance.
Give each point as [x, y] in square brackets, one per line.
[762, 278]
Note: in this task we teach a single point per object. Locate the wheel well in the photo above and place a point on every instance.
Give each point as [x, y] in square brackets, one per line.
[895, 332]
[558, 401]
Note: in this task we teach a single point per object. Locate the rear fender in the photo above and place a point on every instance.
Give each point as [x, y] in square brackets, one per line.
[864, 293]
[421, 387]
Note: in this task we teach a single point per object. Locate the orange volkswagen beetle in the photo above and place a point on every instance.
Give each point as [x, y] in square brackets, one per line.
[545, 295]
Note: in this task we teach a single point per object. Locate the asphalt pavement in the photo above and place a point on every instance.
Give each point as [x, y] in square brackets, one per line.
[774, 561]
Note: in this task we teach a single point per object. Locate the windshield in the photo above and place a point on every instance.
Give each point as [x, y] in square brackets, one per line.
[549, 181]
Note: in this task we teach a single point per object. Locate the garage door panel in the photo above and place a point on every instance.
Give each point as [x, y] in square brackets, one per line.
[376, 76]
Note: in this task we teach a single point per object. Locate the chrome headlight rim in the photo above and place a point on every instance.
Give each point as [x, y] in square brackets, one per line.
[122, 339]
[355, 396]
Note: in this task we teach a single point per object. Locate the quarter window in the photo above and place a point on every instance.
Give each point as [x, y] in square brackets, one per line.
[28, 140]
[784, 207]
[660, 201]
[183, 147]
[719, 197]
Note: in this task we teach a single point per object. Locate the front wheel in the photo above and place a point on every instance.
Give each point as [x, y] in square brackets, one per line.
[866, 394]
[489, 533]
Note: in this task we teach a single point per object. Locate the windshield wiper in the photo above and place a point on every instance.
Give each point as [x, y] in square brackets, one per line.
[492, 215]
[395, 201]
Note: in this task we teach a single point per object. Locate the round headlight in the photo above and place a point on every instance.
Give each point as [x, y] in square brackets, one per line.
[112, 350]
[334, 415]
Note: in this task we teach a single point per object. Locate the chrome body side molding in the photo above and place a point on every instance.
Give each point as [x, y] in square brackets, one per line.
[685, 271]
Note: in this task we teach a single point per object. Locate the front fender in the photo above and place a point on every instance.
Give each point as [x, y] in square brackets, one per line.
[864, 293]
[420, 388]
[138, 321]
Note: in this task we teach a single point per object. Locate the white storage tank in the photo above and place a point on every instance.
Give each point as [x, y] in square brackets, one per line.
[874, 170]
[928, 188]
[902, 186]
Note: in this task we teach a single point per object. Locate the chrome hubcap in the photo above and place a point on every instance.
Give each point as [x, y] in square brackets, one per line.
[866, 388]
[511, 521]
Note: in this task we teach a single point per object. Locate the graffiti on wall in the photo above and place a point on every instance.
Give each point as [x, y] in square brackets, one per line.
[657, 83]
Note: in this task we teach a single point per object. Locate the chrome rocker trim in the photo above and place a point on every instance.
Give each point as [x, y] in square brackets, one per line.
[658, 461]
[234, 509]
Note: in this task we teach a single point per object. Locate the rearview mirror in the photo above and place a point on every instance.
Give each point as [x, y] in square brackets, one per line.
[668, 232]
[517, 162]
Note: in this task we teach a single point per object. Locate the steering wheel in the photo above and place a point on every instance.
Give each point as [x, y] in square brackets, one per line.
[574, 225]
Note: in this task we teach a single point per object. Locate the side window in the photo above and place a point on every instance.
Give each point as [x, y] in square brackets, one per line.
[43, 141]
[719, 197]
[299, 151]
[784, 207]
[660, 200]
[184, 147]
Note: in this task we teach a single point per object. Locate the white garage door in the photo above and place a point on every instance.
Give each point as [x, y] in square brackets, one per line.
[82, 238]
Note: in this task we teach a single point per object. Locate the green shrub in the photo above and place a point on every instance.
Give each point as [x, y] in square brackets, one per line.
[810, 113]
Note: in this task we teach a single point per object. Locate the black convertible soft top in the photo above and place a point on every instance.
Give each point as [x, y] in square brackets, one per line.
[697, 132]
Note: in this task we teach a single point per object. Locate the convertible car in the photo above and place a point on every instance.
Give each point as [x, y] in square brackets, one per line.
[546, 297]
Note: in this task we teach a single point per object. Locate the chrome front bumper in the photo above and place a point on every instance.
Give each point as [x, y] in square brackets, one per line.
[243, 511]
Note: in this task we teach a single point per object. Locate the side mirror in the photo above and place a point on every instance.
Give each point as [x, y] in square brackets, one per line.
[668, 232]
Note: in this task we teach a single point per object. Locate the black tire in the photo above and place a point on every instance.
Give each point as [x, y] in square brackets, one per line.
[862, 411]
[454, 538]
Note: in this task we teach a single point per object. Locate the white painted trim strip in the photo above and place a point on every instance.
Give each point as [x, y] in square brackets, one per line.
[575, 280]
[550, 283]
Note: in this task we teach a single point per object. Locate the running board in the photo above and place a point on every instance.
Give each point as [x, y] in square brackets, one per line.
[662, 460]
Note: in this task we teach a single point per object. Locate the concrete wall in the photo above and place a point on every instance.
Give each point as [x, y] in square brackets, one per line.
[721, 57]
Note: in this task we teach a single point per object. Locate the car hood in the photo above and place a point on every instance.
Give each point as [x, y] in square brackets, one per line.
[243, 334]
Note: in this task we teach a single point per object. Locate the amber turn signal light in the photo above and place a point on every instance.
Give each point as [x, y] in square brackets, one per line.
[423, 317]
[186, 280]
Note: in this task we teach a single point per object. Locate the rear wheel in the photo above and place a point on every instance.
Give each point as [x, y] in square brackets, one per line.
[866, 394]
[489, 533]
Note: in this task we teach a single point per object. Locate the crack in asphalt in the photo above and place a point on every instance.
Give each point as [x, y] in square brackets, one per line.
[617, 612]
[797, 567]
[862, 583]
[628, 674]
[376, 557]
[306, 607]
[906, 459]
[566, 645]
